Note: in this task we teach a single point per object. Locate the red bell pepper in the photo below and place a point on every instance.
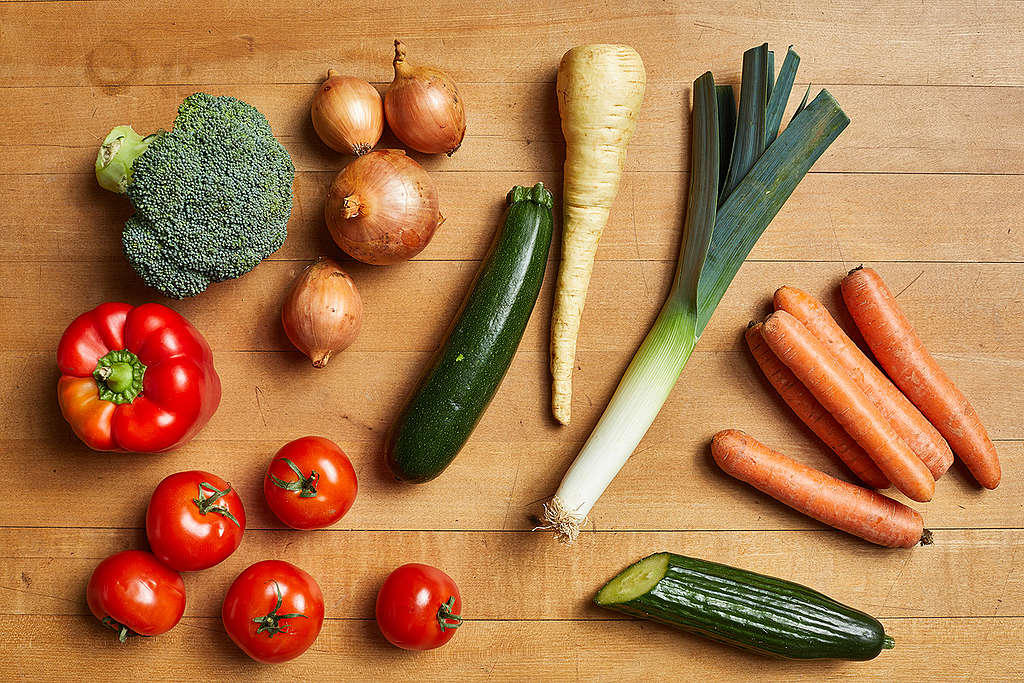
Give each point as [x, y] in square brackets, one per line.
[135, 379]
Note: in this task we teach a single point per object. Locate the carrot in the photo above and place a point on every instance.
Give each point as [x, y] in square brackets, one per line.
[600, 89]
[819, 371]
[812, 413]
[907, 420]
[897, 347]
[840, 504]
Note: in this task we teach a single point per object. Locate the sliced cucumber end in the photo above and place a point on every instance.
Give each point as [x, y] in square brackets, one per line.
[634, 581]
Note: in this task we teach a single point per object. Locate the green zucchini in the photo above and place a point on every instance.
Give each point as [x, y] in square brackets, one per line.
[753, 611]
[451, 398]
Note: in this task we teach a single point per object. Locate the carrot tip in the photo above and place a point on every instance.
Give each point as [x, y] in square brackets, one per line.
[926, 538]
[751, 323]
[860, 267]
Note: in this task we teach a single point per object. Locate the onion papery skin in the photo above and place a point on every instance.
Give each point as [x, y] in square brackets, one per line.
[382, 208]
[323, 312]
[424, 108]
[348, 114]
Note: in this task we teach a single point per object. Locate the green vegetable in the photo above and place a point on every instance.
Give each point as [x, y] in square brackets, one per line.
[726, 214]
[753, 611]
[442, 412]
[212, 196]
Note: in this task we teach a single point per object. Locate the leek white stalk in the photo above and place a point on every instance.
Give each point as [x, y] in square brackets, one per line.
[727, 211]
[642, 391]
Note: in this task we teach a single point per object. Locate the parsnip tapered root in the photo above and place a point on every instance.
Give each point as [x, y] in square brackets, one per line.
[600, 89]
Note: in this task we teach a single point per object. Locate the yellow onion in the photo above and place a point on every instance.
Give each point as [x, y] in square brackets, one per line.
[323, 312]
[382, 208]
[424, 108]
[348, 114]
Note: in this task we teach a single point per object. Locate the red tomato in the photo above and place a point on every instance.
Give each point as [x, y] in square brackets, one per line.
[135, 595]
[273, 611]
[310, 483]
[194, 520]
[418, 607]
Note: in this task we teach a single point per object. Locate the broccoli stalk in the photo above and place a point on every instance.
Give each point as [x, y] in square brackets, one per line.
[120, 149]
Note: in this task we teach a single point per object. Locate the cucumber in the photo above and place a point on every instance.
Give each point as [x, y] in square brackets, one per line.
[753, 611]
[451, 398]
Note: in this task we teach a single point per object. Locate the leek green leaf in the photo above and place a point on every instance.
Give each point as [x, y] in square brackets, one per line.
[750, 124]
[759, 196]
[726, 130]
[779, 96]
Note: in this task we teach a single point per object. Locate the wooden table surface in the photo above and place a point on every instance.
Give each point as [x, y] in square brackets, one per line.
[926, 185]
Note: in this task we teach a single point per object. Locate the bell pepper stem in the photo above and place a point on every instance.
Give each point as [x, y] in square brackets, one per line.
[119, 376]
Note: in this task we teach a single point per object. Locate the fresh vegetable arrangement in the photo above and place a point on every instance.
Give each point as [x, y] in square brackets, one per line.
[424, 108]
[310, 483]
[818, 370]
[323, 311]
[134, 594]
[726, 214]
[853, 407]
[812, 413]
[600, 89]
[212, 199]
[382, 208]
[753, 611]
[273, 611]
[212, 196]
[845, 506]
[906, 420]
[194, 521]
[135, 378]
[441, 413]
[348, 114]
[418, 607]
[900, 352]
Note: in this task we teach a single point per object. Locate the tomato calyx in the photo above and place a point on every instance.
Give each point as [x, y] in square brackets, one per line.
[206, 503]
[304, 486]
[270, 623]
[447, 619]
[119, 376]
[122, 631]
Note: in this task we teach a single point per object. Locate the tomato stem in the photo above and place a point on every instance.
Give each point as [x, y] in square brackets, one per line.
[119, 376]
[122, 631]
[206, 503]
[304, 486]
[270, 623]
[447, 619]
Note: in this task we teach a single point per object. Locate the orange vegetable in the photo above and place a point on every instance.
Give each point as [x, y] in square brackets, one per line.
[907, 420]
[820, 372]
[840, 504]
[899, 350]
[812, 413]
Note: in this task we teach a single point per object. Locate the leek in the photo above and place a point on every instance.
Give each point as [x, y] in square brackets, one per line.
[727, 212]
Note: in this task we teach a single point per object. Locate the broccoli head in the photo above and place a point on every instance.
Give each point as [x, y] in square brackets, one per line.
[212, 196]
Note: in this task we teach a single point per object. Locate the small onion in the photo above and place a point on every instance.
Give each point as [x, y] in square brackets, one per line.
[424, 108]
[348, 114]
[382, 208]
[323, 312]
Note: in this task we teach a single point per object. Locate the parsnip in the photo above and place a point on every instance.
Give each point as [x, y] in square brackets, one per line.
[600, 89]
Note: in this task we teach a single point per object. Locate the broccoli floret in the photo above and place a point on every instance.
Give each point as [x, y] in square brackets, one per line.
[212, 196]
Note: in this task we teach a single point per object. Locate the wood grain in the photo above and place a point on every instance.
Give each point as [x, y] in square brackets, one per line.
[507, 650]
[926, 185]
[831, 217]
[516, 128]
[51, 565]
[284, 42]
